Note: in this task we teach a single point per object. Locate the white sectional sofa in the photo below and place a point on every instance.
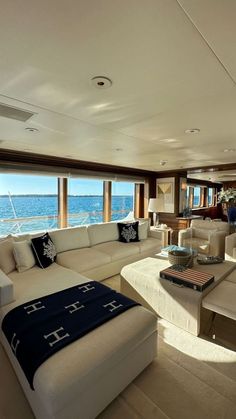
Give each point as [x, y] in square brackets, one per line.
[82, 379]
[96, 252]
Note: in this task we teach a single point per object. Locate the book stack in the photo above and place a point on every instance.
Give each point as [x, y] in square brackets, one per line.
[187, 277]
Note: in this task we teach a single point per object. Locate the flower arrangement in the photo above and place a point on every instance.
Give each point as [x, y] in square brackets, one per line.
[226, 195]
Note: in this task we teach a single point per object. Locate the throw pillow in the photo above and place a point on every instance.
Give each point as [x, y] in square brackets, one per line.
[128, 232]
[24, 256]
[44, 250]
[143, 228]
[7, 261]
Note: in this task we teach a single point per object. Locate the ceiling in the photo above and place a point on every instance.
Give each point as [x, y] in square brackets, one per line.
[215, 176]
[173, 68]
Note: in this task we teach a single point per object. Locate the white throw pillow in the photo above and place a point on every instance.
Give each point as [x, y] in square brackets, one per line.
[24, 256]
[143, 230]
[7, 261]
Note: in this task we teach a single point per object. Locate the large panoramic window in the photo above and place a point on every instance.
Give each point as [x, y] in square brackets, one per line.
[27, 203]
[85, 201]
[122, 203]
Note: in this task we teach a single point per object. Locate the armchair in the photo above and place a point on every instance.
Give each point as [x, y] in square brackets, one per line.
[206, 237]
[230, 247]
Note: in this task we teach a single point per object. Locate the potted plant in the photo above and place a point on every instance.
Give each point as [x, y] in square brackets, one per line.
[226, 197]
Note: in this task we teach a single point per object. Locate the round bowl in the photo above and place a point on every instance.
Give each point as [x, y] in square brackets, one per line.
[180, 257]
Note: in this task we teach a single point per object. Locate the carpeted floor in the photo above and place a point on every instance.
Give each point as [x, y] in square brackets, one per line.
[192, 377]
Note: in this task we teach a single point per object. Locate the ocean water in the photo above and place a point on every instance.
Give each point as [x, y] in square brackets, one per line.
[81, 209]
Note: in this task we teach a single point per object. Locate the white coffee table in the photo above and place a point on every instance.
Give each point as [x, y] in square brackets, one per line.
[179, 305]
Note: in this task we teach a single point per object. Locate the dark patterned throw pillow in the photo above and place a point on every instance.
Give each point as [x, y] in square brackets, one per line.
[128, 232]
[44, 250]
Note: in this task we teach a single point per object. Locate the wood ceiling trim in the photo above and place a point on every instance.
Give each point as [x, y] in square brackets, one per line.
[14, 157]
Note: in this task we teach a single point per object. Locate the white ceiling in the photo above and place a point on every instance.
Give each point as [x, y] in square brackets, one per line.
[173, 67]
[215, 176]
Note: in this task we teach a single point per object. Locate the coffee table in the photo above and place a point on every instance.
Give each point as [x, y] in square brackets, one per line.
[179, 305]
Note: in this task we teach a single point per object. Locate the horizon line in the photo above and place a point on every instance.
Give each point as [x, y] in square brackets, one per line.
[72, 195]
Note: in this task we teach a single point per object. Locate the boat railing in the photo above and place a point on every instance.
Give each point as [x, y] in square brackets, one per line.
[49, 222]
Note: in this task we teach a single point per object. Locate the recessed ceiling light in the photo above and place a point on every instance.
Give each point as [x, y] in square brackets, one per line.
[31, 129]
[101, 82]
[192, 131]
[229, 150]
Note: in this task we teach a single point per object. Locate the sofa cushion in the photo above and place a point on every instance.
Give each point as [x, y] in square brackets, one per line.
[23, 255]
[7, 261]
[201, 233]
[101, 233]
[44, 250]
[117, 250]
[143, 228]
[70, 238]
[81, 260]
[128, 232]
[149, 245]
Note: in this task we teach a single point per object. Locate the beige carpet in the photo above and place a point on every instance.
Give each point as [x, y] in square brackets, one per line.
[192, 377]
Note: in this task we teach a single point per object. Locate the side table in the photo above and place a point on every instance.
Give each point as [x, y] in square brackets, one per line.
[166, 234]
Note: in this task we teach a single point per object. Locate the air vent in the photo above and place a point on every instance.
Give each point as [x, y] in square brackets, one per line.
[15, 113]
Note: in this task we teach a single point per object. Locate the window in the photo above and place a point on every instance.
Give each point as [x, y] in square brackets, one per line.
[27, 203]
[85, 201]
[200, 196]
[196, 196]
[210, 196]
[122, 200]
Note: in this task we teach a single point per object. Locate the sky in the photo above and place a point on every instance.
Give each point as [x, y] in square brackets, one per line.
[27, 184]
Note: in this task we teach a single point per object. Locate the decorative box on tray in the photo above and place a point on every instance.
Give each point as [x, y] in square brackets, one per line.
[186, 277]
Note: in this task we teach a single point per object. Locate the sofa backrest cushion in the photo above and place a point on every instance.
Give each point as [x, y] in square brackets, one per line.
[7, 261]
[143, 229]
[70, 238]
[201, 233]
[210, 225]
[101, 233]
[23, 255]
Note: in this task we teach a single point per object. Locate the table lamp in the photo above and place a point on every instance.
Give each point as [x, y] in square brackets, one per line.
[153, 207]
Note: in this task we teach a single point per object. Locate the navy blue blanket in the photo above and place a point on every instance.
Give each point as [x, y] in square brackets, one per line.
[41, 327]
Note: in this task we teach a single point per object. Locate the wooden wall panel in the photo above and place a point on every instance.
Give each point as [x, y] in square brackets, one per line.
[106, 201]
[62, 202]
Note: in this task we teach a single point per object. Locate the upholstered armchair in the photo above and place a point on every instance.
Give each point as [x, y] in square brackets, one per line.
[206, 237]
[230, 247]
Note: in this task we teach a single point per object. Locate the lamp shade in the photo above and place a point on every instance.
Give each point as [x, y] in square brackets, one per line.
[153, 205]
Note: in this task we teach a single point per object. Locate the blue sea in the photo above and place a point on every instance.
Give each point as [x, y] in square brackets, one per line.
[81, 209]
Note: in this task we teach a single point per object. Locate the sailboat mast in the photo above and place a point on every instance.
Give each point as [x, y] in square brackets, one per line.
[14, 211]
